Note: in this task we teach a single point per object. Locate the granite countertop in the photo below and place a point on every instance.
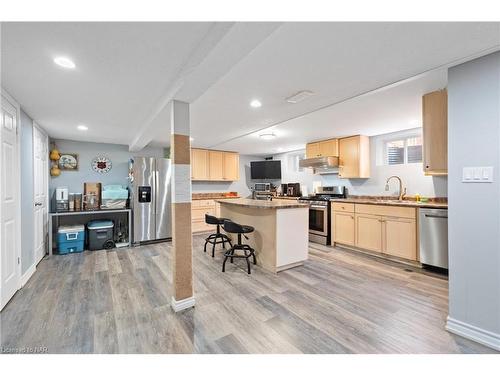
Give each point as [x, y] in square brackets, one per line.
[205, 196]
[393, 202]
[285, 197]
[255, 203]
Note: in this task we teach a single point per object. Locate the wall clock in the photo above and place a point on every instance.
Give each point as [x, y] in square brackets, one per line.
[101, 164]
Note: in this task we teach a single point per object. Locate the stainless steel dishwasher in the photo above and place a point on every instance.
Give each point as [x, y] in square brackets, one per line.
[433, 236]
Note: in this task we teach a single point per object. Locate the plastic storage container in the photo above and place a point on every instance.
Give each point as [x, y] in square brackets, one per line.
[70, 239]
[101, 234]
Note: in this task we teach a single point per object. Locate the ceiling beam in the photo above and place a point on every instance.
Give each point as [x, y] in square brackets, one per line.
[222, 48]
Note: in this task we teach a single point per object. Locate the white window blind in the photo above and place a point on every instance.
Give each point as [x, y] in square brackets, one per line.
[402, 151]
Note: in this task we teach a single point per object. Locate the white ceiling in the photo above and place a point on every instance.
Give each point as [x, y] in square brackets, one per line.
[336, 61]
[126, 71]
[122, 69]
[386, 110]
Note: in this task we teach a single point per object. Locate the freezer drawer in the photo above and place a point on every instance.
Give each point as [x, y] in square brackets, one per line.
[433, 237]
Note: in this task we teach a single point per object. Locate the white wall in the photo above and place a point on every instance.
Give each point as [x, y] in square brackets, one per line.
[242, 186]
[412, 174]
[474, 215]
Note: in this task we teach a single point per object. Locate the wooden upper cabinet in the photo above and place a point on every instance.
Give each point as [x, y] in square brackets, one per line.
[329, 147]
[216, 165]
[435, 132]
[199, 164]
[212, 165]
[231, 166]
[312, 150]
[354, 157]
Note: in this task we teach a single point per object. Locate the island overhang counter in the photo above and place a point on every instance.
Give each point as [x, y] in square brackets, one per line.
[281, 235]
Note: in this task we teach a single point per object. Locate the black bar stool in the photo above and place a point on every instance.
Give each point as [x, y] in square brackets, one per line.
[232, 227]
[217, 237]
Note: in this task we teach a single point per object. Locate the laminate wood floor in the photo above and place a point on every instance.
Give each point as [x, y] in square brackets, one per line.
[117, 301]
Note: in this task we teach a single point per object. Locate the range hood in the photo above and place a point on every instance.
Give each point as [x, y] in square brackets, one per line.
[324, 164]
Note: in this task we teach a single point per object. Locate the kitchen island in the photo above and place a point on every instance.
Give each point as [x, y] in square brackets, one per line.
[281, 231]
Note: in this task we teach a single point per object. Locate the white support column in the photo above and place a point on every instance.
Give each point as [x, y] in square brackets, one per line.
[180, 150]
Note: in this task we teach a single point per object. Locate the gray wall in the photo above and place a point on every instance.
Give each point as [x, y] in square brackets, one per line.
[87, 151]
[412, 174]
[27, 219]
[474, 216]
[242, 186]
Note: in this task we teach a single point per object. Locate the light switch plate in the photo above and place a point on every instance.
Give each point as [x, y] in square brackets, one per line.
[477, 174]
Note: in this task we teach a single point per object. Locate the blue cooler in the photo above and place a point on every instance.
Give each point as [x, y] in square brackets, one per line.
[70, 239]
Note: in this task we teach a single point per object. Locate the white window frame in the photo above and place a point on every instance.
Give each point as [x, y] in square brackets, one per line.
[403, 138]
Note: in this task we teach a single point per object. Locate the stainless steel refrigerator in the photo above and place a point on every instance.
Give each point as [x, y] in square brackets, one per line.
[151, 199]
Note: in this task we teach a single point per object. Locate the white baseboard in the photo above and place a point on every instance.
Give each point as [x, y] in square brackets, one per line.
[183, 304]
[27, 275]
[487, 338]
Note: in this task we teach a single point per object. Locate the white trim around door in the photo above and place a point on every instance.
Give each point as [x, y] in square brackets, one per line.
[10, 199]
[40, 192]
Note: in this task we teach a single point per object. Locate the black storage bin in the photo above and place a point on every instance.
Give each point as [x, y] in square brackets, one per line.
[101, 234]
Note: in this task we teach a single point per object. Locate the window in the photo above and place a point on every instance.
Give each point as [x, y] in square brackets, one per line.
[404, 151]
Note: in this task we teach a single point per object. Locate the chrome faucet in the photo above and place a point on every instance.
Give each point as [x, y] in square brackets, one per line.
[402, 192]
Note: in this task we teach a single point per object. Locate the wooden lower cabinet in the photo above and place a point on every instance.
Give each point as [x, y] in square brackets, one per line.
[382, 229]
[369, 232]
[400, 237]
[198, 210]
[343, 228]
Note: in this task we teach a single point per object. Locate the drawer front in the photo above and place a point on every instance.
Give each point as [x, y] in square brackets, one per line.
[199, 213]
[342, 207]
[198, 203]
[381, 210]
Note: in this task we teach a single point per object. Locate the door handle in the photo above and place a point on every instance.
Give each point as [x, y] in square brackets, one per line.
[38, 204]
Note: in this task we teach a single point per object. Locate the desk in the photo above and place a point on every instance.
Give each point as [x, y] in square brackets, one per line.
[75, 214]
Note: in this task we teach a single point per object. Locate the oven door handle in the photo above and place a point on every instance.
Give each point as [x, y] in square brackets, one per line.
[324, 208]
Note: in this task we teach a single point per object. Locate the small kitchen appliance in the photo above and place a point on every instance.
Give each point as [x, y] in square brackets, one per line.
[60, 199]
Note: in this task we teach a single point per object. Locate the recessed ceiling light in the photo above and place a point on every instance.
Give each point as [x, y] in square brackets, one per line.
[82, 127]
[255, 103]
[299, 96]
[64, 62]
[267, 136]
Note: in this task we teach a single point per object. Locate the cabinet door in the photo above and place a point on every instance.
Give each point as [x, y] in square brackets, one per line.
[349, 157]
[435, 132]
[369, 232]
[343, 228]
[400, 237]
[199, 164]
[312, 150]
[231, 166]
[216, 165]
[329, 148]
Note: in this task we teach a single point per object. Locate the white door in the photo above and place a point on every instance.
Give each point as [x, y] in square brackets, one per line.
[40, 177]
[10, 270]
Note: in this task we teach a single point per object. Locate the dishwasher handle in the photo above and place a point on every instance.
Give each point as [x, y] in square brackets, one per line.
[437, 216]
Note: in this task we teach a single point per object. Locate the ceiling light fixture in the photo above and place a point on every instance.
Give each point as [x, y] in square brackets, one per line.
[82, 127]
[299, 96]
[64, 62]
[267, 136]
[255, 103]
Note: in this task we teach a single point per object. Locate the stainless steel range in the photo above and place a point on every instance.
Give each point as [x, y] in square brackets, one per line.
[319, 212]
